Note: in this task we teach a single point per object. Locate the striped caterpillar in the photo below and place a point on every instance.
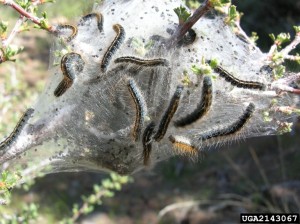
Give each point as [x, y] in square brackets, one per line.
[238, 82]
[16, 132]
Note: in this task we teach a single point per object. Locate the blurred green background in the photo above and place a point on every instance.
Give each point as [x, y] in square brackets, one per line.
[261, 174]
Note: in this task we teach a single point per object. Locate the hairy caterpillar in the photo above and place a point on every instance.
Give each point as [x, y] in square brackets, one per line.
[147, 145]
[73, 29]
[232, 128]
[202, 108]
[143, 62]
[140, 105]
[168, 114]
[183, 145]
[113, 46]
[70, 64]
[17, 130]
[238, 82]
[90, 16]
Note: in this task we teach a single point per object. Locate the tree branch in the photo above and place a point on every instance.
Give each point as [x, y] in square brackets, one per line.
[26, 14]
[13, 33]
[183, 28]
[291, 46]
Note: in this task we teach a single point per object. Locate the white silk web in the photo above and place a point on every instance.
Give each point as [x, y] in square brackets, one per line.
[90, 126]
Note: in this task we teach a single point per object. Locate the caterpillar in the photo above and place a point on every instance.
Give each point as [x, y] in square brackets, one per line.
[147, 145]
[17, 130]
[113, 46]
[202, 108]
[188, 39]
[238, 82]
[74, 30]
[98, 17]
[143, 62]
[168, 115]
[233, 128]
[140, 105]
[71, 64]
[183, 145]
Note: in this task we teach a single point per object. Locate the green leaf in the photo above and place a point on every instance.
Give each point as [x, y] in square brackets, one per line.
[192, 4]
[219, 3]
[213, 63]
[4, 175]
[11, 51]
[75, 209]
[109, 194]
[149, 44]
[88, 209]
[97, 188]
[297, 58]
[118, 186]
[297, 29]
[254, 37]
[114, 176]
[44, 24]
[281, 38]
[44, 15]
[23, 3]
[272, 36]
[266, 116]
[216, 3]
[277, 58]
[107, 184]
[202, 69]
[279, 71]
[24, 27]
[284, 127]
[92, 199]
[3, 28]
[182, 13]
[225, 1]
[233, 14]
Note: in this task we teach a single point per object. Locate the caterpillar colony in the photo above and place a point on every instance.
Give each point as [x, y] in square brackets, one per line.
[119, 102]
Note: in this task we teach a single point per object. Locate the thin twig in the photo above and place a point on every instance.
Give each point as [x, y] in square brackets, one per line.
[13, 33]
[26, 14]
[242, 33]
[282, 85]
[289, 79]
[272, 51]
[291, 46]
[86, 204]
[278, 87]
[183, 28]
[178, 205]
[281, 158]
[240, 172]
[210, 205]
[286, 109]
[285, 51]
[290, 89]
[292, 57]
[260, 168]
